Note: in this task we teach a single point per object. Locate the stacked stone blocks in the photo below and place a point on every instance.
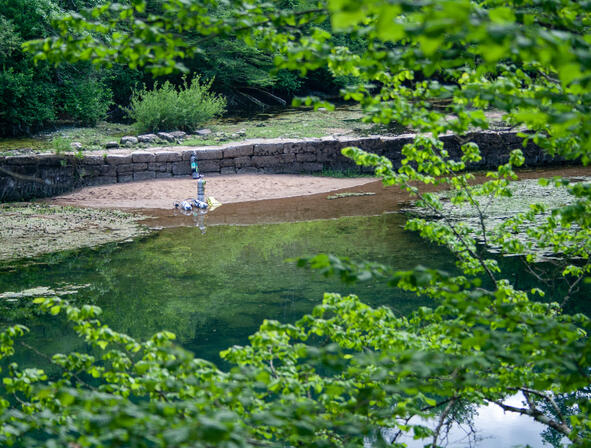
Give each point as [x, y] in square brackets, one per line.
[47, 174]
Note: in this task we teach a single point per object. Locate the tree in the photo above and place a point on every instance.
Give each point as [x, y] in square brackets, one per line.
[28, 91]
[344, 371]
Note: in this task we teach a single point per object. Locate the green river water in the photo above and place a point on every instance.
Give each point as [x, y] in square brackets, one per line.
[215, 289]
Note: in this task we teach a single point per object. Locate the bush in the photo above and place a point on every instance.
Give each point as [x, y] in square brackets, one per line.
[86, 101]
[168, 108]
[26, 101]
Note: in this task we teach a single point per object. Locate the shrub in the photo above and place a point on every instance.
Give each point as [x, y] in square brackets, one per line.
[61, 144]
[86, 101]
[26, 101]
[168, 108]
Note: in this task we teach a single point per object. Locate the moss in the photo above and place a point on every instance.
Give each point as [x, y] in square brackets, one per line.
[497, 210]
[34, 229]
[291, 123]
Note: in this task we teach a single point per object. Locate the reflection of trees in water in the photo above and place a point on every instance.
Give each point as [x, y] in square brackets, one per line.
[457, 418]
[202, 286]
[456, 424]
[561, 408]
[570, 292]
[229, 279]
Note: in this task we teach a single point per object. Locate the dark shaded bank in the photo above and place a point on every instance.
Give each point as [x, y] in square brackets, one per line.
[44, 175]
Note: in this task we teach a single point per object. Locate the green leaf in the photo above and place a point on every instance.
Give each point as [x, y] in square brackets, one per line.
[502, 14]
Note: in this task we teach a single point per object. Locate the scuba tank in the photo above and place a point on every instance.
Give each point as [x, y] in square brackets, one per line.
[201, 189]
[194, 167]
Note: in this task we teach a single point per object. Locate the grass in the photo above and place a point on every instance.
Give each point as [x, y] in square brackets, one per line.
[92, 139]
[290, 123]
[294, 123]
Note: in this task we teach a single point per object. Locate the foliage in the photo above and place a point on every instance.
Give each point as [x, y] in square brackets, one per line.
[86, 101]
[61, 144]
[165, 108]
[10, 41]
[287, 388]
[25, 91]
[336, 376]
[25, 101]
[33, 95]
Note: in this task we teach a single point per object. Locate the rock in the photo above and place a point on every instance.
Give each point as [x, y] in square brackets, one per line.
[168, 156]
[203, 132]
[129, 140]
[111, 145]
[76, 146]
[147, 138]
[179, 135]
[139, 156]
[238, 151]
[166, 136]
[145, 175]
[118, 159]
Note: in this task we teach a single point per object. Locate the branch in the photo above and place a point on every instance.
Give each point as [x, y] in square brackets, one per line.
[543, 395]
[273, 368]
[23, 177]
[442, 418]
[461, 239]
[268, 94]
[44, 356]
[448, 401]
[253, 99]
[539, 417]
[573, 286]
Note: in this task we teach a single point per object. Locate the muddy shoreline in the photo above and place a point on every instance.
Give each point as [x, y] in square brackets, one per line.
[32, 229]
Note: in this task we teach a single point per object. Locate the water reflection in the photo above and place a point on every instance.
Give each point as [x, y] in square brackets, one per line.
[213, 289]
[486, 426]
[198, 216]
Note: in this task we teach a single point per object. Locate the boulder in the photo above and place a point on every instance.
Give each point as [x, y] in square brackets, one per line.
[147, 138]
[76, 146]
[179, 135]
[129, 140]
[111, 145]
[167, 136]
[203, 132]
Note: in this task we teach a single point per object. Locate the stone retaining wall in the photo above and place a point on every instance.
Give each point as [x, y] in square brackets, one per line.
[48, 174]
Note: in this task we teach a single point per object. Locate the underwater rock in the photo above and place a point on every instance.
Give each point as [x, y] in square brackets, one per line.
[57, 228]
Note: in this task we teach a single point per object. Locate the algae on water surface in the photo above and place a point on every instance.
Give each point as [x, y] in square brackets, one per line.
[497, 211]
[28, 230]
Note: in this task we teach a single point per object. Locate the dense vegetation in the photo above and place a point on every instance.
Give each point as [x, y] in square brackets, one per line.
[34, 95]
[341, 373]
[166, 107]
